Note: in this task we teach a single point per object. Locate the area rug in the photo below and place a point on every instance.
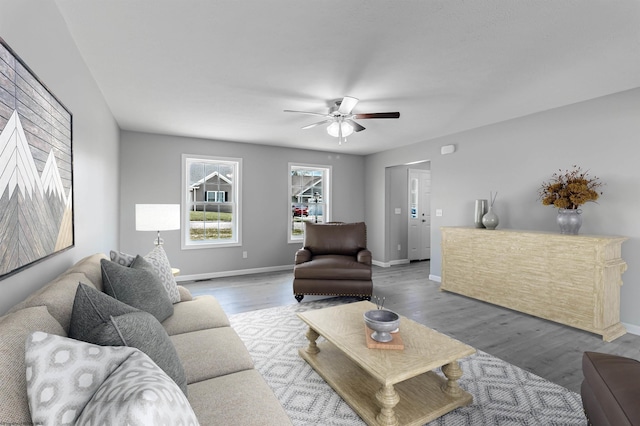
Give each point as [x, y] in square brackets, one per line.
[503, 393]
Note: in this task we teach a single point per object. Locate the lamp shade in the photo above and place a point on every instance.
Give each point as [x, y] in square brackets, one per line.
[157, 217]
[334, 129]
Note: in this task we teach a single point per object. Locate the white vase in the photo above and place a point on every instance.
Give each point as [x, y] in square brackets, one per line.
[490, 220]
[481, 210]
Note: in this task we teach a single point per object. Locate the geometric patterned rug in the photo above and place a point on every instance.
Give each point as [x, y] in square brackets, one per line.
[503, 394]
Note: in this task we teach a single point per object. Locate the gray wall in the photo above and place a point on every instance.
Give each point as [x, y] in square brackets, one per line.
[151, 173]
[514, 158]
[36, 31]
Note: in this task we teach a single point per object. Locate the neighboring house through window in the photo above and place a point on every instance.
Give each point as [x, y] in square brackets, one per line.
[211, 210]
[309, 197]
[216, 196]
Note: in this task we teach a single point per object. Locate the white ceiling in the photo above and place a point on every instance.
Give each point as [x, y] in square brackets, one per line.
[226, 69]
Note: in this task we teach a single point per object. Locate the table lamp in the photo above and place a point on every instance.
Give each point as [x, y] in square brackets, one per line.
[157, 217]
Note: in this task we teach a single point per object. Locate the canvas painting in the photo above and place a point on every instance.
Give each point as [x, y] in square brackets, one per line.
[36, 168]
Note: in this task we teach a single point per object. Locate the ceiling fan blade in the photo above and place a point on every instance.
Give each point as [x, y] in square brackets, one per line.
[317, 124]
[377, 115]
[356, 127]
[307, 112]
[347, 105]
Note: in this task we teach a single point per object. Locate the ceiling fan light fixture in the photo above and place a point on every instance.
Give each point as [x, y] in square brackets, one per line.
[334, 129]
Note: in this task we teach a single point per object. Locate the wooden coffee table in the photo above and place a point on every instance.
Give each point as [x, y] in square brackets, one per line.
[385, 387]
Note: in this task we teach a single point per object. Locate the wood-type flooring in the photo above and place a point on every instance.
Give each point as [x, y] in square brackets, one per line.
[549, 350]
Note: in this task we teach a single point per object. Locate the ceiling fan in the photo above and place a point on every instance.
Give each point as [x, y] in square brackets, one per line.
[341, 118]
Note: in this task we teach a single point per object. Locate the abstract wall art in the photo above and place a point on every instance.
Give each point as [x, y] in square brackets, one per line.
[36, 168]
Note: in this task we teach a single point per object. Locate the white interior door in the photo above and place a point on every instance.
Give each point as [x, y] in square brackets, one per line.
[419, 241]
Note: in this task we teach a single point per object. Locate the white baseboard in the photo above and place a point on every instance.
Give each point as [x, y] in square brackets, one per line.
[210, 275]
[632, 328]
[436, 278]
[390, 263]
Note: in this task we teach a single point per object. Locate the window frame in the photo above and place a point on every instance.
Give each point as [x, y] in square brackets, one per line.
[327, 196]
[236, 201]
[216, 196]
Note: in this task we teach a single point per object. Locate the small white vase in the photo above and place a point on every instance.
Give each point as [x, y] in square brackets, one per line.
[490, 219]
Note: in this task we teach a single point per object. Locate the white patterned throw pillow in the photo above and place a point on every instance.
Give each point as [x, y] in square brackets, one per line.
[160, 264]
[71, 382]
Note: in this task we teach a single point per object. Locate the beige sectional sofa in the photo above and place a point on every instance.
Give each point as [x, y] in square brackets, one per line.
[223, 386]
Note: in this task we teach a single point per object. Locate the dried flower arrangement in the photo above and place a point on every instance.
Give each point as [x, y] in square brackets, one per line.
[569, 189]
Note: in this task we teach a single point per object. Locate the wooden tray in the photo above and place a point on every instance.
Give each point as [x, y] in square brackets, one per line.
[396, 342]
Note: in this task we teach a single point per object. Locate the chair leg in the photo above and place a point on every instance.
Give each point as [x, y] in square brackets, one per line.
[299, 297]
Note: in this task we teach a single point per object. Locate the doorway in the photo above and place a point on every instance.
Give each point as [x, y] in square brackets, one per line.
[398, 214]
[419, 226]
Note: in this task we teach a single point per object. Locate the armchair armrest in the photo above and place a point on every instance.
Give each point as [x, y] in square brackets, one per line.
[302, 255]
[364, 256]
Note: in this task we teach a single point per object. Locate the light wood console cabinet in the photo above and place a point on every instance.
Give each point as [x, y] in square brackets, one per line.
[571, 279]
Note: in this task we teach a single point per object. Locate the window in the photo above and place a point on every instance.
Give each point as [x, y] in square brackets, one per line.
[216, 196]
[309, 197]
[211, 188]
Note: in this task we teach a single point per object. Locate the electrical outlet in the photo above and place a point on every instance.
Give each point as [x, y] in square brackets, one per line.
[399, 247]
[438, 212]
[244, 254]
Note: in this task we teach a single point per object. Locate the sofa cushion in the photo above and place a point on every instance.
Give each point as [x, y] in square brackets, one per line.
[160, 264]
[211, 353]
[185, 294]
[198, 314]
[102, 320]
[333, 267]
[71, 382]
[90, 267]
[57, 296]
[335, 238]
[138, 286]
[614, 383]
[242, 398]
[14, 329]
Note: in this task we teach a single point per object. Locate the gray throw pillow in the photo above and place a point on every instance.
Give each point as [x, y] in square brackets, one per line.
[160, 264]
[138, 286]
[102, 320]
[91, 308]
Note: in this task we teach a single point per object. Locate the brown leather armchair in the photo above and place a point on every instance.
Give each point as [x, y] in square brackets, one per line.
[611, 389]
[334, 261]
